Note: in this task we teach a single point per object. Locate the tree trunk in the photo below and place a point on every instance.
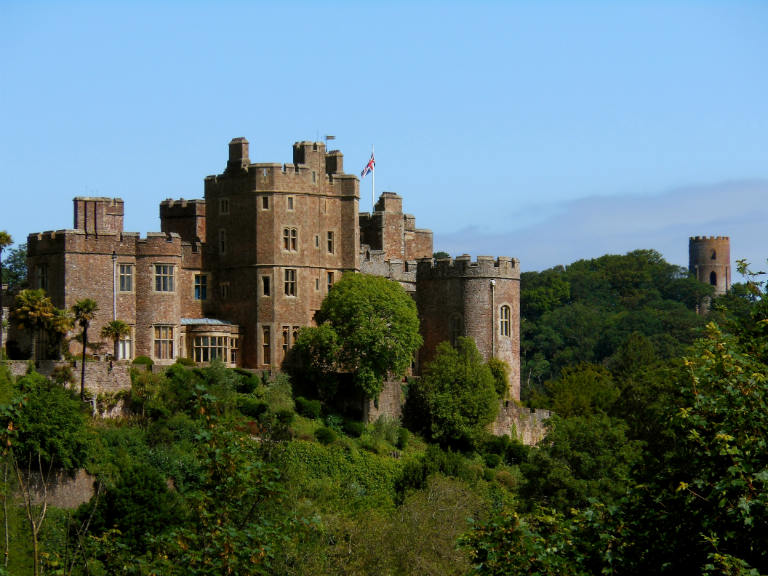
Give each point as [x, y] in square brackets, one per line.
[6, 490]
[82, 368]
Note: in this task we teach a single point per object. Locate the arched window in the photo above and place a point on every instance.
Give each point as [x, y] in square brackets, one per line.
[714, 255]
[713, 278]
[504, 320]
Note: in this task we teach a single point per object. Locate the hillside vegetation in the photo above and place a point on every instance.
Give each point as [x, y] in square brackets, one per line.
[655, 461]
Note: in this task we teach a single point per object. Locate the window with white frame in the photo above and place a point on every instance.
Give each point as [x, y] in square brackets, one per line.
[331, 245]
[125, 346]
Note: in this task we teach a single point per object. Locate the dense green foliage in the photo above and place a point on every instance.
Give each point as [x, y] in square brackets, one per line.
[367, 326]
[584, 312]
[456, 397]
[15, 268]
[655, 460]
[670, 476]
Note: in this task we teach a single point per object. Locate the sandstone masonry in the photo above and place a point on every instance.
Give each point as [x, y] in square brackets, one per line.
[235, 275]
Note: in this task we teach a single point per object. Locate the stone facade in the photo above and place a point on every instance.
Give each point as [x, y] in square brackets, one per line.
[709, 259]
[236, 274]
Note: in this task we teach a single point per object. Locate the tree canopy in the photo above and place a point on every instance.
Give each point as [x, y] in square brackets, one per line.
[455, 399]
[367, 326]
[584, 312]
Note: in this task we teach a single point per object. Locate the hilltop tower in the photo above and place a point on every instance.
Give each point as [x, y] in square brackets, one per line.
[709, 259]
[481, 300]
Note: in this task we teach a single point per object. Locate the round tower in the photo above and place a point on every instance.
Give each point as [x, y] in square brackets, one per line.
[478, 299]
[709, 259]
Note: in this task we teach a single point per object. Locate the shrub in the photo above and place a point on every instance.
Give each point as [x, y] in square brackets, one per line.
[62, 375]
[353, 428]
[285, 416]
[334, 422]
[386, 429]
[492, 460]
[143, 361]
[251, 407]
[403, 436]
[325, 435]
[185, 361]
[507, 479]
[248, 382]
[278, 393]
[308, 408]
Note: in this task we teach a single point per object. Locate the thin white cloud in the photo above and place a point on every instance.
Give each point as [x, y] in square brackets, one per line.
[591, 227]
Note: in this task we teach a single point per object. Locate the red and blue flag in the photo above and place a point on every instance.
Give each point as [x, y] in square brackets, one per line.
[368, 167]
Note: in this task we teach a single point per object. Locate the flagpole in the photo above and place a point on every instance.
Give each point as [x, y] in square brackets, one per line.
[373, 184]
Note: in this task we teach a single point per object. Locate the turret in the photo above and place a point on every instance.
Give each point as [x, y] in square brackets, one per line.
[709, 259]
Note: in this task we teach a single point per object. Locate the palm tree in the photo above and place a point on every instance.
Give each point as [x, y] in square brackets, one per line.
[84, 311]
[35, 312]
[5, 241]
[115, 330]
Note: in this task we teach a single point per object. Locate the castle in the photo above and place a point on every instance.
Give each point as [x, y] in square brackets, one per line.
[236, 274]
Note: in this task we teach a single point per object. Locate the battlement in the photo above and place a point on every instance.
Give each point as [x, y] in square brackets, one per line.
[708, 238]
[195, 206]
[98, 215]
[463, 267]
[184, 217]
[312, 171]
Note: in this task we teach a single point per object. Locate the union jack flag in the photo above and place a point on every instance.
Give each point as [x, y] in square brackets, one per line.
[368, 167]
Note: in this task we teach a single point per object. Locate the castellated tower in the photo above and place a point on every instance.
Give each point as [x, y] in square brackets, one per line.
[278, 237]
[481, 300]
[709, 259]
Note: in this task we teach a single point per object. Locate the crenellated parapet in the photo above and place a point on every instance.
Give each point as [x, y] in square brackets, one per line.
[312, 171]
[184, 217]
[478, 299]
[376, 263]
[463, 266]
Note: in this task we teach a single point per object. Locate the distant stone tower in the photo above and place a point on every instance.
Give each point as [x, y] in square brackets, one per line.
[709, 259]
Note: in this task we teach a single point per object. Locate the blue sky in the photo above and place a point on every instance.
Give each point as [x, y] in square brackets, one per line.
[548, 131]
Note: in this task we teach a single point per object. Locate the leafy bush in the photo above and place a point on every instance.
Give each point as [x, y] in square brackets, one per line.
[278, 393]
[353, 428]
[325, 435]
[185, 361]
[403, 436]
[507, 479]
[285, 416]
[334, 422]
[308, 408]
[143, 361]
[252, 407]
[248, 382]
[62, 375]
[492, 460]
